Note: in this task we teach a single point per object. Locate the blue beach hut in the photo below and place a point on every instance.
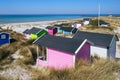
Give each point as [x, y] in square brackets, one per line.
[69, 30]
[4, 38]
[59, 28]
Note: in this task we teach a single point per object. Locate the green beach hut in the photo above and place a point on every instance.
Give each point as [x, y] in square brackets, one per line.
[34, 33]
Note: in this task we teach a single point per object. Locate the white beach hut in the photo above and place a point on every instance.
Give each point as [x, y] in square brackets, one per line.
[77, 25]
[104, 44]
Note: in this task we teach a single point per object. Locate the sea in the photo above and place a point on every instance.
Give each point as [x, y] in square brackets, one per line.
[5, 19]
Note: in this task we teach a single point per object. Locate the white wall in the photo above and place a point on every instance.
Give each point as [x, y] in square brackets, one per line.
[78, 25]
[104, 52]
[117, 49]
[101, 52]
[73, 25]
[112, 50]
[86, 22]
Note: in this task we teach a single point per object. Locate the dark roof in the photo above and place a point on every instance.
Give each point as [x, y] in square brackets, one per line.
[86, 19]
[69, 29]
[50, 27]
[105, 23]
[62, 25]
[99, 39]
[34, 30]
[59, 43]
[26, 31]
[74, 30]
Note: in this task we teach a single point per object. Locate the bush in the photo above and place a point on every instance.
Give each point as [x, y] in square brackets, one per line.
[95, 22]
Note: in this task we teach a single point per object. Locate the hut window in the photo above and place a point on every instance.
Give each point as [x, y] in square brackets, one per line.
[3, 36]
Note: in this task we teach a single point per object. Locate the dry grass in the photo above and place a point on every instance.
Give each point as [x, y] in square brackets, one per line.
[92, 27]
[98, 70]
[18, 43]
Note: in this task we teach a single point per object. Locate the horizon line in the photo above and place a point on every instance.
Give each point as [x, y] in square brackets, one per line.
[66, 14]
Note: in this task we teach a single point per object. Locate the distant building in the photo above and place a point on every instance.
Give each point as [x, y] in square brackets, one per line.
[104, 24]
[69, 30]
[4, 38]
[34, 33]
[51, 30]
[78, 25]
[59, 28]
[104, 44]
[86, 21]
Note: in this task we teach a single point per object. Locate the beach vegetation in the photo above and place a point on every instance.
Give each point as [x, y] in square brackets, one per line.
[94, 25]
[95, 22]
[99, 70]
[24, 68]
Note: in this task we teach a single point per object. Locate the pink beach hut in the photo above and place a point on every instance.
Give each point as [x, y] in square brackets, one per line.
[51, 30]
[62, 52]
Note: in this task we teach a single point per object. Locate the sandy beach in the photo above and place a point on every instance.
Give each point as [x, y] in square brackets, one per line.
[20, 27]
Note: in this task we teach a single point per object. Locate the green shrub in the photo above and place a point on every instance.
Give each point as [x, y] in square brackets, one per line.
[95, 22]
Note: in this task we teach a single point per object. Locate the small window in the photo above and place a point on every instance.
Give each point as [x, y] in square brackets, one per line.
[3, 36]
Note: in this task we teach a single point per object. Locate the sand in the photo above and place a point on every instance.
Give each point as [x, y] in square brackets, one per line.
[20, 27]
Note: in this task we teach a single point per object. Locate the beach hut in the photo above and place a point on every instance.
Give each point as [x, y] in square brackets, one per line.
[104, 44]
[62, 52]
[78, 25]
[51, 30]
[86, 21]
[34, 33]
[104, 24]
[58, 28]
[69, 30]
[4, 38]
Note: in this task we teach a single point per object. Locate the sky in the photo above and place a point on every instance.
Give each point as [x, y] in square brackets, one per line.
[59, 6]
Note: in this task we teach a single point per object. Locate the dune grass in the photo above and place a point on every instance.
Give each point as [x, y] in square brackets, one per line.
[101, 69]
[18, 42]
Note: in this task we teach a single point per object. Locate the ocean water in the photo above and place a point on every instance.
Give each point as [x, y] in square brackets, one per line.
[42, 17]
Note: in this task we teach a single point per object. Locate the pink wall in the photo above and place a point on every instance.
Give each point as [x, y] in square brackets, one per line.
[27, 36]
[42, 63]
[84, 52]
[52, 31]
[60, 60]
[57, 59]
